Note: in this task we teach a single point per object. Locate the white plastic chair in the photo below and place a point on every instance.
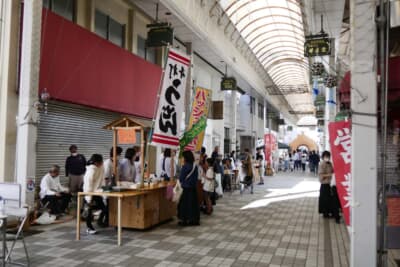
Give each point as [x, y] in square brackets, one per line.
[16, 234]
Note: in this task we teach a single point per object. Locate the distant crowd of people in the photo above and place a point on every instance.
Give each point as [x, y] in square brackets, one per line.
[299, 160]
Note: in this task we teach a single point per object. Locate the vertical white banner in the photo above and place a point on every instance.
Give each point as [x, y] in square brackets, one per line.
[171, 103]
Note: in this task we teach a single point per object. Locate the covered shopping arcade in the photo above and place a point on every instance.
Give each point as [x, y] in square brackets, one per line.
[219, 76]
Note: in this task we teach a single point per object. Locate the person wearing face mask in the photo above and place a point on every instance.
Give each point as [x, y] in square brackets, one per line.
[75, 167]
[109, 178]
[325, 174]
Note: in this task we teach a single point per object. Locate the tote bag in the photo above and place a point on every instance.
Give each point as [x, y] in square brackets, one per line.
[178, 190]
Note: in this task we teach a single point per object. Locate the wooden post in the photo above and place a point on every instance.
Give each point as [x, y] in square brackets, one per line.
[142, 155]
[115, 163]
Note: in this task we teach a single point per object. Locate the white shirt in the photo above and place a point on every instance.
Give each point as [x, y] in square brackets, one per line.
[127, 171]
[167, 167]
[138, 171]
[92, 180]
[333, 181]
[108, 168]
[208, 184]
[304, 159]
[49, 186]
[233, 166]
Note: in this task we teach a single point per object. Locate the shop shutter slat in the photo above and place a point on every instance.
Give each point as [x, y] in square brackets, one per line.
[66, 124]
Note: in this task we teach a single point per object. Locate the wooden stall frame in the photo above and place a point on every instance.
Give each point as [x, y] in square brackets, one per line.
[136, 124]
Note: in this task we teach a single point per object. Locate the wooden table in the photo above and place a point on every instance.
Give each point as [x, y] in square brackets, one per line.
[118, 195]
[136, 208]
[144, 211]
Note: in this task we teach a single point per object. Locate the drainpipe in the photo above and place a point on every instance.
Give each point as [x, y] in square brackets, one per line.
[383, 26]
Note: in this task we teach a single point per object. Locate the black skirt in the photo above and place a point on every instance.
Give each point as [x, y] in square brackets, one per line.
[188, 207]
[325, 199]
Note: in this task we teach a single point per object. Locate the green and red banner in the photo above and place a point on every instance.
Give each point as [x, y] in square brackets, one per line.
[193, 132]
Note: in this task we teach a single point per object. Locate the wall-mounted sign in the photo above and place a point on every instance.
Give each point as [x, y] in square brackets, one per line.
[320, 101]
[271, 115]
[127, 136]
[30, 185]
[228, 83]
[320, 114]
[159, 35]
[317, 46]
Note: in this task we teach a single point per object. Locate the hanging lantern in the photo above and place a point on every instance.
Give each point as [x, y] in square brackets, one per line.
[317, 69]
[44, 98]
[330, 81]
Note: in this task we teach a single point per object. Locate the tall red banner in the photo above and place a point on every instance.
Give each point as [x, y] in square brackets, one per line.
[340, 142]
[271, 145]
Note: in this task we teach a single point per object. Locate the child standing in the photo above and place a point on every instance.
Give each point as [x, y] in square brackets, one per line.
[208, 185]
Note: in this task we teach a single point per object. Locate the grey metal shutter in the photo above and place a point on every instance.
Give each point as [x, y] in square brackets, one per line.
[66, 124]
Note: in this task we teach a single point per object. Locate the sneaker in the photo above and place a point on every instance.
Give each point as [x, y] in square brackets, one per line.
[91, 231]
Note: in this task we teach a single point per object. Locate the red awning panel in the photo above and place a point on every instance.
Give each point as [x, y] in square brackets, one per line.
[393, 82]
[79, 67]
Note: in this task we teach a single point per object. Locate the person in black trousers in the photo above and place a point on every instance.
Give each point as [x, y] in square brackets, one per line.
[92, 182]
[52, 193]
[327, 203]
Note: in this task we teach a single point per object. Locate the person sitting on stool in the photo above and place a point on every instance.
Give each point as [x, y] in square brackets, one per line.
[53, 193]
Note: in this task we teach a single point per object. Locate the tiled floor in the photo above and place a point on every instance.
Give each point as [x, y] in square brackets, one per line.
[276, 226]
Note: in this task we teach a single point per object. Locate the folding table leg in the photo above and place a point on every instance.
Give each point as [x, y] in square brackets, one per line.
[119, 221]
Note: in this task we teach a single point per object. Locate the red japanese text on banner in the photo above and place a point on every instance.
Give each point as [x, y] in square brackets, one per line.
[340, 142]
[200, 108]
[171, 103]
[268, 147]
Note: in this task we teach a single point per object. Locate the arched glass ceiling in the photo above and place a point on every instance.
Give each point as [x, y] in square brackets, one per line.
[274, 31]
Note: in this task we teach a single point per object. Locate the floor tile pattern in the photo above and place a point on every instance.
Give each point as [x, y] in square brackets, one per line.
[278, 225]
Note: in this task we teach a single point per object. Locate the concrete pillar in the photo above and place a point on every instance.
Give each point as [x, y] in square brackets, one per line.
[363, 234]
[28, 94]
[9, 14]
